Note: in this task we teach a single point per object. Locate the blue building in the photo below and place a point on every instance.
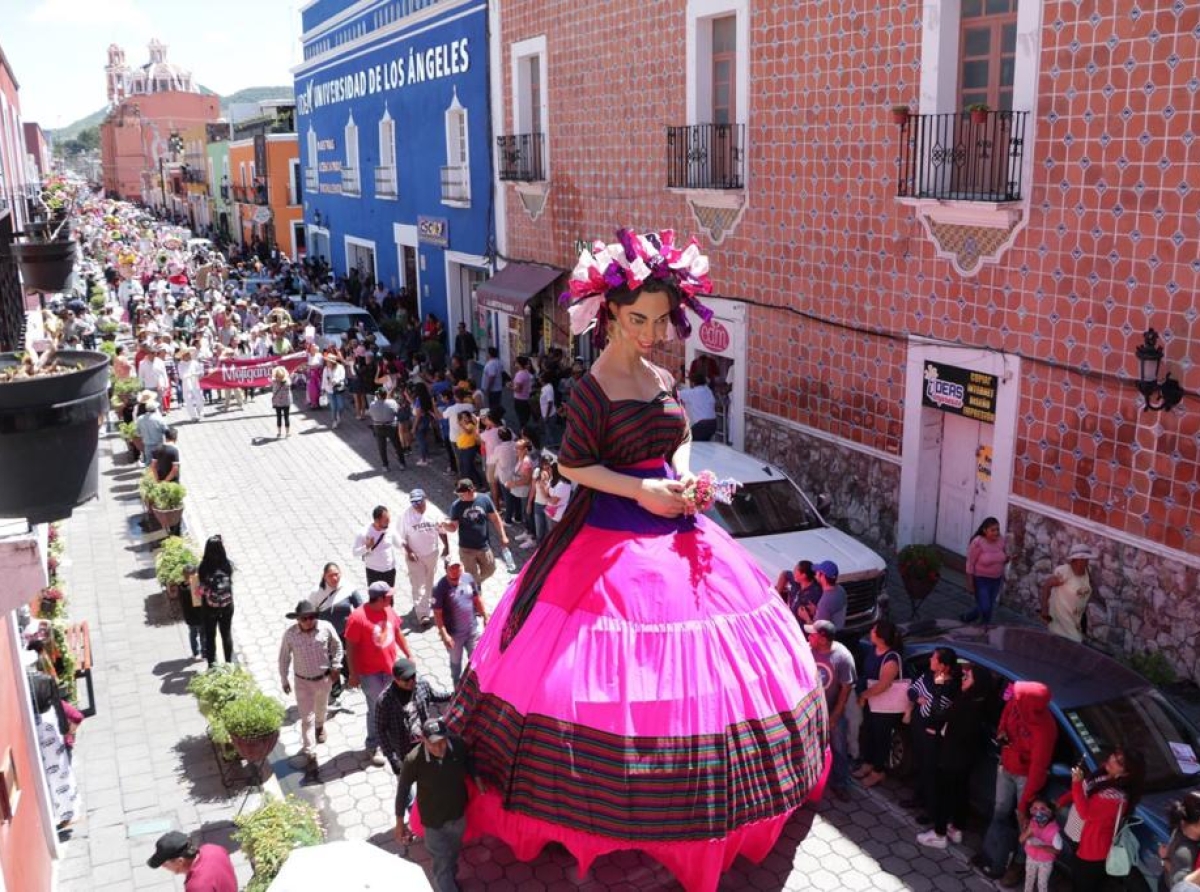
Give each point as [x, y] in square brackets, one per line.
[395, 145]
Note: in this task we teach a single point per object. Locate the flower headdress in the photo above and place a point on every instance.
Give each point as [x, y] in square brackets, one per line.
[631, 262]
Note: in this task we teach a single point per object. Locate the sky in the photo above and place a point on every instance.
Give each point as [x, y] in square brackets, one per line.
[58, 48]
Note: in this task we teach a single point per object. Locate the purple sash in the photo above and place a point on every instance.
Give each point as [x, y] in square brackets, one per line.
[610, 512]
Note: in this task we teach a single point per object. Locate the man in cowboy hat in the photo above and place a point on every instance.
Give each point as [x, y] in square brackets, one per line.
[313, 648]
[1065, 595]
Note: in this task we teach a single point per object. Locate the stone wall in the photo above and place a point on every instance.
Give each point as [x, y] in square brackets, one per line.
[864, 491]
[1142, 602]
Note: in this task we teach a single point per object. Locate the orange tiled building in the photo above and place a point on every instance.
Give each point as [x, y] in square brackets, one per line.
[930, 314]
[148, 105]
[264, 167]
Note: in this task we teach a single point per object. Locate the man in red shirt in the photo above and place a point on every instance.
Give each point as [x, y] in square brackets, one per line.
[373, 641]
[205, 869]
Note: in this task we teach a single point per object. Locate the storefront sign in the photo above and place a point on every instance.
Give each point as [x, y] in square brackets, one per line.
[433, 231]
[249, 372]
[960, 392]
[405, 69]
[714, 336]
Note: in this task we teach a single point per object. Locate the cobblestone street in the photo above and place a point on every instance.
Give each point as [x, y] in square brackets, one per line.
[284, 507]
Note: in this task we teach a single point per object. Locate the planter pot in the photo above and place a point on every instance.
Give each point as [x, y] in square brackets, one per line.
[900, 116]
[167, 518]
[45, 266]
[255, 749]
[918, 588]
[49, 434]
[979, 118]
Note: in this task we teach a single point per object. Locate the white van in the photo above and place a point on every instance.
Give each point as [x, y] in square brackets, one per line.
[334, 320]
[779, 525]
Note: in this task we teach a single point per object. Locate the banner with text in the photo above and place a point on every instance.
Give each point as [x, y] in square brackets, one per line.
[228, 373]
[960, 391]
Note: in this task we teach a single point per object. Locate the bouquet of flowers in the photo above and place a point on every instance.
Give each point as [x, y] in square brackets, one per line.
[705, 490]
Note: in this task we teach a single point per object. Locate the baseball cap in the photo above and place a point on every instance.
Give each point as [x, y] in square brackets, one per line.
[822, 627]
[465, 485]
[404, 669]
[417, 495]
[434, 730]
[829, 568]
[170, 845]
[378, 589]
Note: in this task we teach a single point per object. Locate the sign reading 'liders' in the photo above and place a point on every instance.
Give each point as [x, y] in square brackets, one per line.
[960, 392]
[418, 67]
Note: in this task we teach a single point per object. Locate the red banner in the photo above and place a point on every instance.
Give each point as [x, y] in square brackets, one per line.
[228, 373]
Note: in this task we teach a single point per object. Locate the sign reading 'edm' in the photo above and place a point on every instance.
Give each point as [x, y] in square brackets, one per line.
[960, 392]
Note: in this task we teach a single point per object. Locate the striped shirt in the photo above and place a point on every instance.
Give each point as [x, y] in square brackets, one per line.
[314, 653]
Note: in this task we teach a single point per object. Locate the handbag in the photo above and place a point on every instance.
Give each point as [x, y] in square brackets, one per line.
[894, 700]
[1123, 853]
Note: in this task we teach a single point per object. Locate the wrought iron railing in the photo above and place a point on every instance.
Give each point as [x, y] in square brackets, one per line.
[521, 157]
[962, 156]
[456, 183]
[385, 182]
[706, 156]
[351, 184]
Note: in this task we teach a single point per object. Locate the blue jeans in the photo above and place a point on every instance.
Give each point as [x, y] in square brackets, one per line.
[444, 844]
[987, 592]
[337, 404]
[372, 686]
[540, 529]
[1000, 841]
[461, 644]
[839, 748]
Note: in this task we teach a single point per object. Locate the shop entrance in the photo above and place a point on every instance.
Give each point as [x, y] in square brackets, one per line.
[964, 480]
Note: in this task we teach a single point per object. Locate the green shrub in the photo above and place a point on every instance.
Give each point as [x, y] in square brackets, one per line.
[146, 485]
[128, 431]
[922, 562]
[175, 557]
[269, 834]
[252, 715]
[215, 688]
[125, 391]
[108, 348]
[1153, 666]
[167, 496]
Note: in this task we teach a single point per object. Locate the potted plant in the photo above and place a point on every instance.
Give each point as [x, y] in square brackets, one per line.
[176, 558]
[124, 397]
[979, 112]
[166, 503]
[900, 115]
[51, 409]
[145, 484]
[46, 255]
[253, 722]
[215, 688]
[108, 329]
[269, 834]
[920, 570]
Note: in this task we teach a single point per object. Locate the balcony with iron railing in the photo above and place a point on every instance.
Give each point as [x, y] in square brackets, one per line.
[456, 184]
[385, 182]
[351, 184]
[962, 156]
[706, 156]
[521, 157]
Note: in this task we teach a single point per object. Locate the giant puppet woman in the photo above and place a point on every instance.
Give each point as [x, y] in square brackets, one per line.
[641, 685]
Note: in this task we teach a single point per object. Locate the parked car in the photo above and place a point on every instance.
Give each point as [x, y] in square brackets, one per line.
[301, 304]
[1098, 704]
[778, 524]
[333, 320]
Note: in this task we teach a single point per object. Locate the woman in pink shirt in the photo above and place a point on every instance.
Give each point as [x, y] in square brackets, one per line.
[986, 558]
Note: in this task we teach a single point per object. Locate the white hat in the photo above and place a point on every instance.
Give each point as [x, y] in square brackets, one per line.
[1081, 552]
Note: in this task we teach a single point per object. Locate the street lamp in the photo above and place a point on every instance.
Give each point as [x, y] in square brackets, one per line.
[1159, 395]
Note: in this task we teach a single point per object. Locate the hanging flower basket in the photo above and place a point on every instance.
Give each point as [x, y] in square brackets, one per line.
[49, 434]
[45, 266]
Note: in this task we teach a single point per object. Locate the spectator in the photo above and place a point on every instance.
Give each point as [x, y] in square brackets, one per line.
[281, 401]
[333, 385]
[401, 712]
[986, 559]
[800, 590]
[701, 406]
[1043, 842]
[214, 577]
[384, 413]
[522, 390]
[1027, 734]
[835, 666]
[492, 383]
[457, 609]
[882, 709]
[314, 647]
[467, 445]
[931, 694]
[832, 603]
[1181, 853]
[206, 868]
[465, 347]
[560, 496]
[962, 741]
[439, 766]
[420, 530]
[374, 640]
[469, 517]
[334, 604]
[151, 427]
[1100, 802]
[1065, 595]
[55, 753]
[377, 546]
[519, 487]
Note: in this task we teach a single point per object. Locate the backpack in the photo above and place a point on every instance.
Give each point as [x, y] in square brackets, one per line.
[218, 589]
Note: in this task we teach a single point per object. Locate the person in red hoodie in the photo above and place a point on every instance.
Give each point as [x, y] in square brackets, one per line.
[1099, 801]
[1027, 733]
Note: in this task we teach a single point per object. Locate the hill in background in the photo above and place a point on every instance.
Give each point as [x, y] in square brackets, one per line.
[249, 94]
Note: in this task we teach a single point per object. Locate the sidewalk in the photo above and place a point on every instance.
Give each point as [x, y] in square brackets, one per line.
[284, 508]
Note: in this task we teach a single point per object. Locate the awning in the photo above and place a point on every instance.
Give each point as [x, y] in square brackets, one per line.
[509, 290]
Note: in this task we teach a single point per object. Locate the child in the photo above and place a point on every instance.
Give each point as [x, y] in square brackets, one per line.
[1042, 845]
